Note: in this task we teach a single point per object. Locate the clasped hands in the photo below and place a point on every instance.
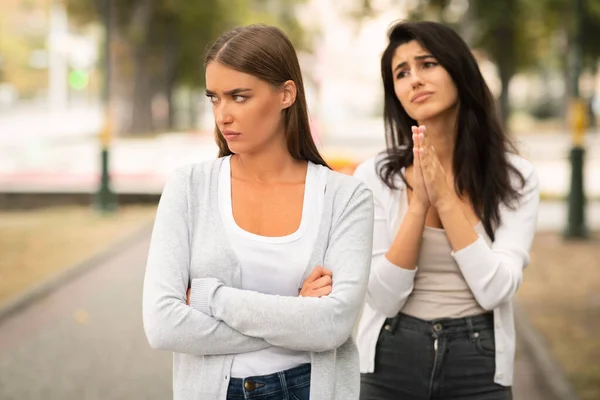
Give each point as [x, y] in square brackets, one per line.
[430, 188]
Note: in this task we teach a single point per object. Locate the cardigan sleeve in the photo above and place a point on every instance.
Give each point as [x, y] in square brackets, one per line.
[494, 273]
[169, 323]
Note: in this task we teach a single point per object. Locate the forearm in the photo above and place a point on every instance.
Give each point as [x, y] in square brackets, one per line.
[298, 323]
[459, 230]
[171, 325]
[393, 273]
[404, 250]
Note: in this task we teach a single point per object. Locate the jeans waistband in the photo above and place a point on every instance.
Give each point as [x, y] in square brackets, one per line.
[441, 325]
[270, 384]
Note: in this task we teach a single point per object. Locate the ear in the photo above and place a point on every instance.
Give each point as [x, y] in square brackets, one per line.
[289, 91]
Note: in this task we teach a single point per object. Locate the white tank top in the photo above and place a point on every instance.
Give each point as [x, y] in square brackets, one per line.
[273, 265]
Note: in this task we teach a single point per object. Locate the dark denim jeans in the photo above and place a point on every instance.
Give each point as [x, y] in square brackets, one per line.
[291, 384]
[440, 359]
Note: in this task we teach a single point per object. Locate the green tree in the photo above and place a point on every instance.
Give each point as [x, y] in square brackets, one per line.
[518, 34]
[166, 40]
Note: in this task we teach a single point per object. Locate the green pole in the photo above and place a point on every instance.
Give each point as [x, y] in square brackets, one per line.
[105, 198]
[576, 226]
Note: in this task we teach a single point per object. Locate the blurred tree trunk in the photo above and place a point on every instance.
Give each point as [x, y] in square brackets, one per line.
[171, 71]
[506, 70]
[504, 51]
[141, 119]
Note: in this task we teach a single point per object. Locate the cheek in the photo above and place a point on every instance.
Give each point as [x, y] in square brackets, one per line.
[262, 117]
[402, 93]
[450, 90]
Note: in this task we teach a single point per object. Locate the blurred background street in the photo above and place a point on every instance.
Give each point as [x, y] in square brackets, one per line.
[100, 100]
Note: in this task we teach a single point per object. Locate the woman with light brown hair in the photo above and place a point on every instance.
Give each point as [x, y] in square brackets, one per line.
[259, 260]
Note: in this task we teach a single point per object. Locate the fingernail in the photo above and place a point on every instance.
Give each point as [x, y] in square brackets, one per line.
[421, 136]
[422, 150]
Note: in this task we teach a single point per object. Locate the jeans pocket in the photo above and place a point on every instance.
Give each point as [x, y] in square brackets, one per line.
[485, 343]
[300, 392]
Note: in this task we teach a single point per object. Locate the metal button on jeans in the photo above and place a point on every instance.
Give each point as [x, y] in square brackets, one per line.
[249, 385]
[387, 327]
[437, 327]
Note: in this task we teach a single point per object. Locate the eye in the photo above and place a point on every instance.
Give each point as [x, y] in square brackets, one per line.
[429, 64]
[401, 74]
[212, 98]
[239, 99]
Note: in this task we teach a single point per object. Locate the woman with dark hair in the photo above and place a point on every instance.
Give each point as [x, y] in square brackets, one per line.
[259, 260]
[455, 216]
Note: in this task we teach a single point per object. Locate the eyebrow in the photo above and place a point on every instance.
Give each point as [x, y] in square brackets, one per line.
[423, 57]
[231, 92]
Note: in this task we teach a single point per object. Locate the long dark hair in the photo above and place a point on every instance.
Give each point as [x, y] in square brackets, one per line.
[481, 166]
[266, 53]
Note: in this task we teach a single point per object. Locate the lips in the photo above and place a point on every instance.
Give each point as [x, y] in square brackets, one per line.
[230, 134]
[420, 97]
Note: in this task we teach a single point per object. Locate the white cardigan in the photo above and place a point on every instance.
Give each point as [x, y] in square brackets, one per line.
[493, 273]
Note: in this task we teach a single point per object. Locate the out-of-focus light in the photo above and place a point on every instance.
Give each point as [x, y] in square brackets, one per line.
[78, 80]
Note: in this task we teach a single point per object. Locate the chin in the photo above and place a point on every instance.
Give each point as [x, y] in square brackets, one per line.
[240, 148]
[427, 112]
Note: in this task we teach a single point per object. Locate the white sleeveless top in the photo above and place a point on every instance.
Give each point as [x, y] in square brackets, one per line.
[273, 265]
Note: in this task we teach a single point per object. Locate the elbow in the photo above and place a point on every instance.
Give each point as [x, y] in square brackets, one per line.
[329, 339]
[156, 337]
[156, 342]
[490, 300]
[333, 333]
[386, 307]
[340, 329]
[340, 336]
[499, 288]
[488, 305]
[159, 337]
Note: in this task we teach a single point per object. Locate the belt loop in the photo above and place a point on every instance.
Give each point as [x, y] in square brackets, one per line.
[472, 334]
[392, 323]
[283, 383]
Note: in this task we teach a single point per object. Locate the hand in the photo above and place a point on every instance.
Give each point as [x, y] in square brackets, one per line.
[419, 196]
[433, 172]
[317, 284]
[189, 292]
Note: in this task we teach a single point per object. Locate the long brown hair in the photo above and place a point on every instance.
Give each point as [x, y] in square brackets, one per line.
[481, 167]
[266, 53]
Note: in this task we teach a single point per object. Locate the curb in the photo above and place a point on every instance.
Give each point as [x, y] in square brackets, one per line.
[551, 374]
[56, 281]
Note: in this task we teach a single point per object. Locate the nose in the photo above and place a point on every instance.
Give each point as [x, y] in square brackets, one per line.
[222, 114]
[415, 77]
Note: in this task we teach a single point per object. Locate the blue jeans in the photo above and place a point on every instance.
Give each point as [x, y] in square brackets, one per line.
[441, 359]
[291, 384]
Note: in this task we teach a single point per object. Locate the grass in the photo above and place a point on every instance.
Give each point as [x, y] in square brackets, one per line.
[35, 245]
[561, 295]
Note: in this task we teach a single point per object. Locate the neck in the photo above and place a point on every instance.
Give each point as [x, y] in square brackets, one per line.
[272, 163]
[442, 132]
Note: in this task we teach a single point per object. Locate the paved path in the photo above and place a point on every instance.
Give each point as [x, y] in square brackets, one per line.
[85, 341]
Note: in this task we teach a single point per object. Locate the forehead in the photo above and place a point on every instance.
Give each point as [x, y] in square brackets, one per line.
[408, 51]
[221, 77]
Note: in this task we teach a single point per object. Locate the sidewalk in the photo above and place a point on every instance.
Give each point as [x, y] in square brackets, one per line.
[85, 341]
